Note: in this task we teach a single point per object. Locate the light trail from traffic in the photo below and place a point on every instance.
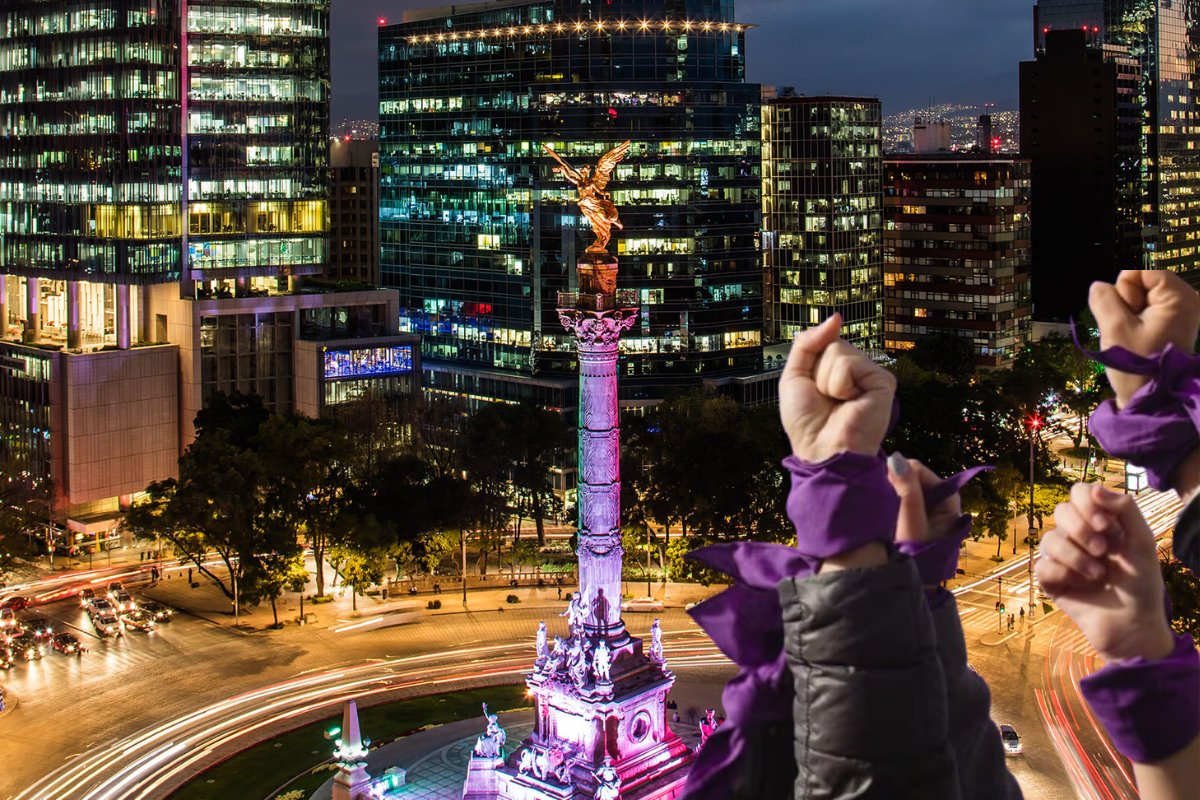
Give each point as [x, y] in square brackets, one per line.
[158, 759]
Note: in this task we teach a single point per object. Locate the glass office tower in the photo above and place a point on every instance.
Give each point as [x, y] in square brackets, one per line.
[479, 235]
[163, 180]
[1164, 37]
[823, 216]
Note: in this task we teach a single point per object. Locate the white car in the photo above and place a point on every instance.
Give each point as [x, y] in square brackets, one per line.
[1010, 739]
[642, 604]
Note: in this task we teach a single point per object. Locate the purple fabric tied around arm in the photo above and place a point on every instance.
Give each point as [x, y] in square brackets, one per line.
[1151, 709]
[837, 506]
[1157, 429]
[841, 503]
[937, 559]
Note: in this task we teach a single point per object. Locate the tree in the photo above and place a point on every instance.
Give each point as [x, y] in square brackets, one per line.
[26, 509]
[947, 354]
[280, 571]
[1183, 589]
[310, 487]
[360, 568]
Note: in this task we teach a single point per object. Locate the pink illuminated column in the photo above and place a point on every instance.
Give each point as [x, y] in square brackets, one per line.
[597, 325]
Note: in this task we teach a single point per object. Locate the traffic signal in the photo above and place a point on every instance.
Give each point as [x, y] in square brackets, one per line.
[1001, 608]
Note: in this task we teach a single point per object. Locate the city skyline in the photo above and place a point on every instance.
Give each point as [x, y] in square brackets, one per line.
[984, 43]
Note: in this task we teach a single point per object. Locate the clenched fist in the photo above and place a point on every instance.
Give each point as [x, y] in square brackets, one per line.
[1100, 565]
[832, 398]
[1143, 312]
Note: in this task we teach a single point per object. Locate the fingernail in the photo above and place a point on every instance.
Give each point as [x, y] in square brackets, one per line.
[1094, 570]
[898, 464]
[1100, 521]
[1097, 545]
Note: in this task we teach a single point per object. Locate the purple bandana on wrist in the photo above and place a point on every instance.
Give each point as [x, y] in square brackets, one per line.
[1157, 428]
[837, 505]
[1151, 709]
[937, 559]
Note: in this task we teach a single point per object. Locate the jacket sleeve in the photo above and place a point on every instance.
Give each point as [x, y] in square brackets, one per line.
[982, 771]
[870, 715]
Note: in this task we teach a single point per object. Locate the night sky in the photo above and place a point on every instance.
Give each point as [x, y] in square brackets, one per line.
[907, 52]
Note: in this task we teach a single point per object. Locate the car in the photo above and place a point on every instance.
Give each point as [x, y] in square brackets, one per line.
[102, 606]
[6, 657]
[157, 610]
[16, 603]
[41, 631]
[106, 624]
[138, 620]
[26, 647]
[642, 604]
[123, 601]
[66, 643]
[1010, 739]
[86, 597]
[8, 620]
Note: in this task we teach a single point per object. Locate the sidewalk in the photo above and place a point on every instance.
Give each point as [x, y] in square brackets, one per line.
[209, 603]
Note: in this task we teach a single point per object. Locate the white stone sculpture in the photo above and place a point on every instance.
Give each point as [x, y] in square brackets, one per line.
[542, 652]
[527, 762]
[608, 782]
[656, 648]
[491, 743]
[602, 663]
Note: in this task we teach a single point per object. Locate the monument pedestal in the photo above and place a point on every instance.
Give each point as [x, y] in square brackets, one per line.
[483, 778]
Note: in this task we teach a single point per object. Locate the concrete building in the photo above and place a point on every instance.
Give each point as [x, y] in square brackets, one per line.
[957, 252]
[1082, 129]
[822, 238]
[153, 242]
[931, 136]
[354, 211]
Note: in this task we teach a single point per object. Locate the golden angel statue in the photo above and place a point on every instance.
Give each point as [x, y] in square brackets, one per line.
[595, 203]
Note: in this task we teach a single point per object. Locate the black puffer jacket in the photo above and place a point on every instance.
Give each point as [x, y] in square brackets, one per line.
[881, 695]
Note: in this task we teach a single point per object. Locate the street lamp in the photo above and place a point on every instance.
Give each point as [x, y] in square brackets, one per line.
[1035, 424]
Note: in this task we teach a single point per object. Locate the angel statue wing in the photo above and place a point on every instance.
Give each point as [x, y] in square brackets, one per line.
[607, 163]
[568, 173]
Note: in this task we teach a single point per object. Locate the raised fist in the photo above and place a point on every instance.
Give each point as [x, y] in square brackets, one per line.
[1142, 312]
[832, 398]
[1100, 565]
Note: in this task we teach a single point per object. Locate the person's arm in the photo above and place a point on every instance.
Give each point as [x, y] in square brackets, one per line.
[931, 530]
[1100, 565]
[869, 713]
[1174, 778]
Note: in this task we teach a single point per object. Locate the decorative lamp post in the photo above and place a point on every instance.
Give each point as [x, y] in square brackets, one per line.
[1035, 424]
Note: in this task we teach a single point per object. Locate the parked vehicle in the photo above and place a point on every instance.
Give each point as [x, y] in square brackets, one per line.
[157, 610]
[66, 643]
[106, 624]
[138, 620]
[16, 603]
[122, 600]
[86, 597]
[26, 647]
[645, 604]
[1012, 742]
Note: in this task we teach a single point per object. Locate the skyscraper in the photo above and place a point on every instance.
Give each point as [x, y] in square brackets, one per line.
[1163, 36]
[477, 233]
[823, 216]
[354, 210]
[163, 183]
[957, 252]
[1081, 128]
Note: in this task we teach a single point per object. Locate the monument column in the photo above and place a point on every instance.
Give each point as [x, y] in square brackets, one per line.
[597, 324]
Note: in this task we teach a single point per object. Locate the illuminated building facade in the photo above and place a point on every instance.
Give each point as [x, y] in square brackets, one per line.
[164, 182]
[1163, 36]
[478, 235]
[354, 210]
[823, 216]
[957, 252]
[1081, 128]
